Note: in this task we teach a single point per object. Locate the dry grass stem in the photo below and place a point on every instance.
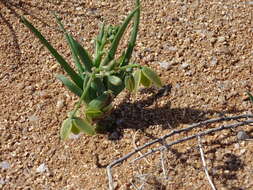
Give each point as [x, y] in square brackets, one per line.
[135, 147]
[162, 148]
[204, 164]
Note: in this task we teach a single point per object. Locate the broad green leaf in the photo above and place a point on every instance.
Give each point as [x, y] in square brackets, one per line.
[70, 39]
[101, 101]
[137, 79]
[73, 75]
[250, 97]
[75, 130]
[116, 81]
[134, 32]
[84, 126]
[129, 83]
[70, 85]
[66, 128]
[115, 89]
[107, 108]
[93, 113]
[152, 76]
[111, 54]
[145, 81]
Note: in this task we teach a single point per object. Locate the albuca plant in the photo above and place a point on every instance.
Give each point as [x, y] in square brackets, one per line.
[98, 79]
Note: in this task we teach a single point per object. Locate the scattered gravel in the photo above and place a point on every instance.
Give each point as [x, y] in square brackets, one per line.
[205, 48]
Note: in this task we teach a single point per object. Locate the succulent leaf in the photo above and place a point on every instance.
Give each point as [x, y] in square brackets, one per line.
[73, 75]
[83, 55]
[75, 130]
[107, 108]
[101, 101]
[134, 32]
[144, 80]
[116, 81]
[84, 126]
[129, 83]
[66, 128]
[152, 76]
[137, 79]
[70, 41]
[120, 32]
[70, 85]
[93, 113]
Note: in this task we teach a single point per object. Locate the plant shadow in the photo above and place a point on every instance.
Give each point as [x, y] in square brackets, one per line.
[142, 114]
[139, 115]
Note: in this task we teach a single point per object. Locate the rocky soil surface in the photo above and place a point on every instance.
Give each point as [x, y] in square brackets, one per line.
[201, 49]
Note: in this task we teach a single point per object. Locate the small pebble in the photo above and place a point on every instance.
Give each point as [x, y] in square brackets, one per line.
[165, 65]
[60, 104]
[42, 168]
[221, 39]
[33, 118]
[184, 66]
[237, 146]
[4, 165]
[170, 48]
[214, 61]
[73, 136]
[242, 135]
[242, 151]
[2, 182]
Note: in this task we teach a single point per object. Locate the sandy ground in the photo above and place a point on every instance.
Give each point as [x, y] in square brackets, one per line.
[206, 49]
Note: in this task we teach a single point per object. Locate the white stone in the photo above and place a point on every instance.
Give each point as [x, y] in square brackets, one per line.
[4, 165]
[42, 168]
[214, 61]
[184, 65]
[33, 118]
[60, 104]
[242, 135]
[165, 65]
[221, 39]
[2, 182]
[73, 136]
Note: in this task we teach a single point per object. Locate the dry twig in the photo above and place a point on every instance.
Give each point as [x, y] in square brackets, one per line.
[223, 127]
[163, 166]
[135, 147]
[204, 164]
[195, 125]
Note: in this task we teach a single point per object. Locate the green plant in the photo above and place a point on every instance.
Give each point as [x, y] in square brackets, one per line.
[99, 79]
[250, 97]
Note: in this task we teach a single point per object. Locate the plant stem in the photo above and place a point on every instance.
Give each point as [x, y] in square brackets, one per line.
[83, 95]
[129, 66]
